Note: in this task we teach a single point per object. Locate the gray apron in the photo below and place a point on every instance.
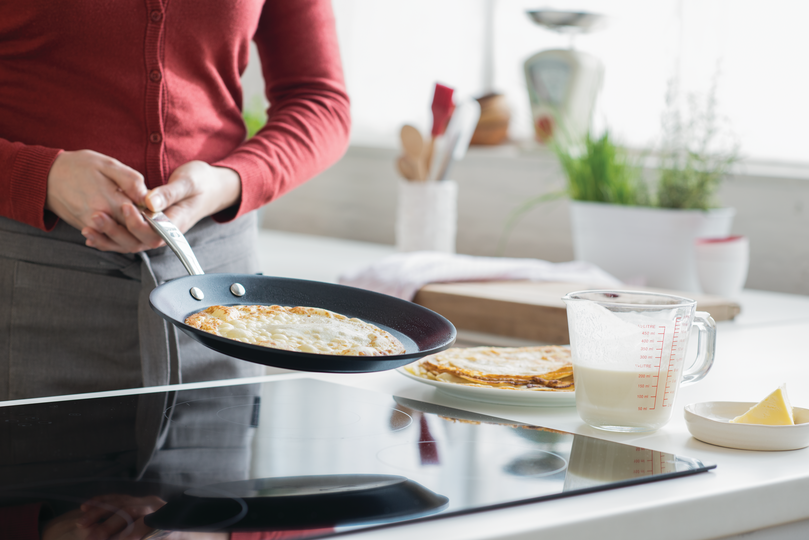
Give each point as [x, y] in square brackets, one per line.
[74, 319]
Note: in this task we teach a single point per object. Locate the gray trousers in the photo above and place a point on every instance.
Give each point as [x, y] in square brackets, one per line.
[74, 319]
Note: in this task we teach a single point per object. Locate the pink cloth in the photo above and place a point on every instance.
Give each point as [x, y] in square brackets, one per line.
[403, 274]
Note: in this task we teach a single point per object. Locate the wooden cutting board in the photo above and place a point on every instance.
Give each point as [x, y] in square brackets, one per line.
[527, 309]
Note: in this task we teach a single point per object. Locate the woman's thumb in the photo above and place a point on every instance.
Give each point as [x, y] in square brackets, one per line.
[179, 187]
[155, 200]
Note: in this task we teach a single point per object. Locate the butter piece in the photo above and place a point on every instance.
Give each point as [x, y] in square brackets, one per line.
[774, 410]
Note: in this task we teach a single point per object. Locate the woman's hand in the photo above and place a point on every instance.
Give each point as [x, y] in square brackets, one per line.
[64, 527]
[194, 191]
[117, 516]
[94, 192]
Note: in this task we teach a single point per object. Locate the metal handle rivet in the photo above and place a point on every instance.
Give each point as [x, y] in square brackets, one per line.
[237, 289]
[197, 293]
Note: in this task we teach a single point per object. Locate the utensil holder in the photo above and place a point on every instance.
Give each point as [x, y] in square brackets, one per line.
[427, 216]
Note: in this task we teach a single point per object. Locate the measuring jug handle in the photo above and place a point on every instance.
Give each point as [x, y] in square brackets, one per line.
[706, 345]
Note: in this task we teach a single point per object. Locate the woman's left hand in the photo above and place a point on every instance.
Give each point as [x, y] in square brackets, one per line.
[194, 191]
[117, 516]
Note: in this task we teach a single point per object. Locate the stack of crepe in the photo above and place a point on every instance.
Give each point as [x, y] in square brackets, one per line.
[545, 368]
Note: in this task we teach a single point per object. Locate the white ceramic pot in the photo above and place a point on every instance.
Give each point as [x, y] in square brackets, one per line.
[645, 246]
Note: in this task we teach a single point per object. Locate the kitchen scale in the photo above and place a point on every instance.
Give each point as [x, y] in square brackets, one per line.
[563, 83]
[300, 454]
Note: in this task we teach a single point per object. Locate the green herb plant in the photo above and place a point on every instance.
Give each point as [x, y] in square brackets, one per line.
[696, 153]
[597, 169]
[601, 171]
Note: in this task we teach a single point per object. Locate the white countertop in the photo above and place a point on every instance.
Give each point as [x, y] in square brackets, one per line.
[763, 348]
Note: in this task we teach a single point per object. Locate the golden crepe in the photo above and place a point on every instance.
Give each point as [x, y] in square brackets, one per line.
[546, 368]
[301, 329]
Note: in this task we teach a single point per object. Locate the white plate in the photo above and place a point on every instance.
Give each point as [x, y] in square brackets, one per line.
[710, 422]
[503, 396]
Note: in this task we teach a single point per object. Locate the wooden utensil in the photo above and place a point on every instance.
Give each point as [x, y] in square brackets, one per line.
[413, 145]
[407, 168]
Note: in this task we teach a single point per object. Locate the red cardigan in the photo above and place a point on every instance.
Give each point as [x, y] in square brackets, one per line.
[156, 83]
[22, 523]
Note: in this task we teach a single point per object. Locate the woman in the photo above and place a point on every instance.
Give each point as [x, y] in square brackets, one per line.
[108, 105]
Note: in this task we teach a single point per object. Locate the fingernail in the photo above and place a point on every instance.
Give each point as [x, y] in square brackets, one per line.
[157, 202]
[97, 220]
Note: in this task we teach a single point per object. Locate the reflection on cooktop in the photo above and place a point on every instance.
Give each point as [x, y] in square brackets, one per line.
[514, 459]
[299, 502]
[297, 454]
[311, 419]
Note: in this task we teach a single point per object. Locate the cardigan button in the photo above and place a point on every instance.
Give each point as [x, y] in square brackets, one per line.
[155, 137]
[156, 16]
[155, 75]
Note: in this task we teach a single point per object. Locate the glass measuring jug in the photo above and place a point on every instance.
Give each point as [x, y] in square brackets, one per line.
[628, 350]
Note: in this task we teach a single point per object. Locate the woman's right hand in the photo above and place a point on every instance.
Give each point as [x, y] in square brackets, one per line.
[87, 190]
[115, 517]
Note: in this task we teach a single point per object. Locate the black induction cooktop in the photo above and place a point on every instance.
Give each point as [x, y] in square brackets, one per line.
[300, 454]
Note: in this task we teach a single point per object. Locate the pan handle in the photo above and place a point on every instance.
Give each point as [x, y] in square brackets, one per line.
[174, 239]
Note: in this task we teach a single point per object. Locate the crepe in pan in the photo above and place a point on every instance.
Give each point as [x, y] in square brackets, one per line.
[301, 329]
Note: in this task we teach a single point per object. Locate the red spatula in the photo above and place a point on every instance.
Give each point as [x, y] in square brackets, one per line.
[442, 108]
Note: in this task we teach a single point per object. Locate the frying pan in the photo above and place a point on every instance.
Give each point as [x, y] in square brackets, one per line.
[420, 330]
[298, 502]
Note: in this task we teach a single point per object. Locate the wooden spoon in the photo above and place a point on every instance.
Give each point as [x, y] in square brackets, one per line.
[413, 145]
[407, 168]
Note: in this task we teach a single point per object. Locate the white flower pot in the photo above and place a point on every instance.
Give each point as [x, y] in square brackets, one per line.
[645, 246]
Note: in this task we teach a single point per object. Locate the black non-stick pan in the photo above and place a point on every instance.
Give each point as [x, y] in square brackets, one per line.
[420, 330]
[298, 502]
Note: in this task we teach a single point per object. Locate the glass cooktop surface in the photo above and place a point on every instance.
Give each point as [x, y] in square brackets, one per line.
[297, 455]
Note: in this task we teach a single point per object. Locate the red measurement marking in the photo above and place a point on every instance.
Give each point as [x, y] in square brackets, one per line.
[644, 464]
[670, 369]
[662, 335]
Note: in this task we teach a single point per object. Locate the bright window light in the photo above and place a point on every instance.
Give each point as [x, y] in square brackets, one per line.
[394, 52]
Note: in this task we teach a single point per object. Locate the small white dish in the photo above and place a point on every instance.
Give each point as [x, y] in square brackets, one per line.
[502, 396]
[710, 422]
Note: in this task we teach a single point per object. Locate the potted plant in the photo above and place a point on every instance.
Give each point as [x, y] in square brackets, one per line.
[643, 230]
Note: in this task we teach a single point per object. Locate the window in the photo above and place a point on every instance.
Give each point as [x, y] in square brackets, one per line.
[395, 51]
